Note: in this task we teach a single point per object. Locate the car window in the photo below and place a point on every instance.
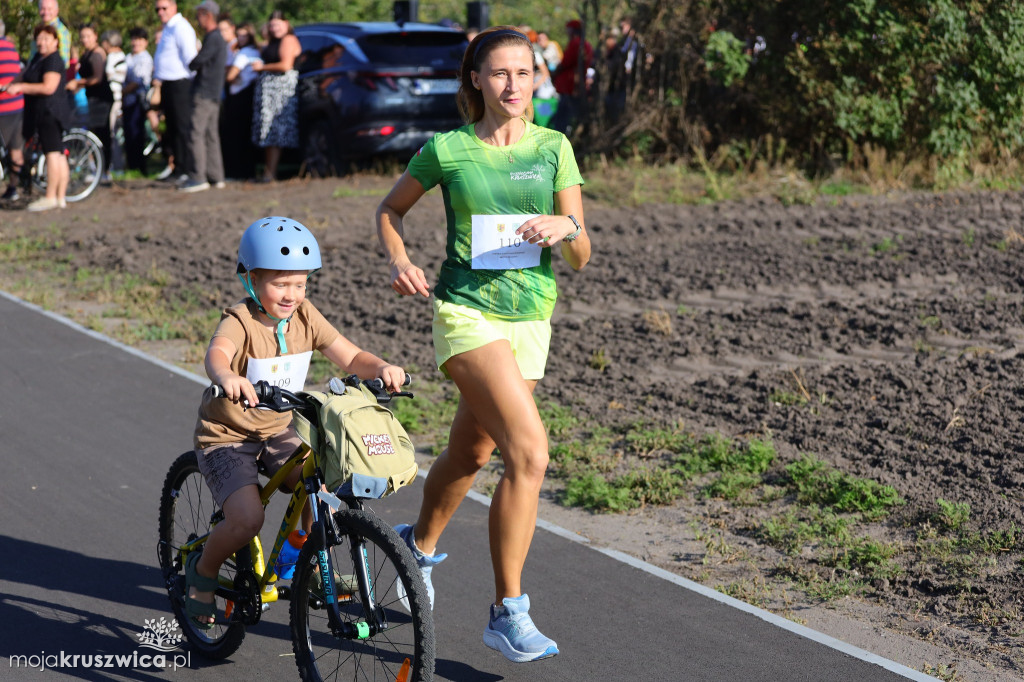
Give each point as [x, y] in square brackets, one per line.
[321, 51]
[428, 48]
[312, 56]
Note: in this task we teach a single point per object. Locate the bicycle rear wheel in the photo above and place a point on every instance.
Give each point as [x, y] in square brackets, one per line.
[84, 153]
[186, 509]
[322, 655]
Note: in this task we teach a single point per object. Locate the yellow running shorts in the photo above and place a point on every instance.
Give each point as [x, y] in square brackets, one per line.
[458, 328]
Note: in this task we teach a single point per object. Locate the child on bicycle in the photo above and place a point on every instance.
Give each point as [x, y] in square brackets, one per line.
[269, 335]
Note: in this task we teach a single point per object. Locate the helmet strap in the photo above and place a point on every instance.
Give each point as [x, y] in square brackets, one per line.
[282, 323]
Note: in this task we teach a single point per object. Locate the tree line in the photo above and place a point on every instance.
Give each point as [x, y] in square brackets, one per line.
[823, 77]
[819, 77]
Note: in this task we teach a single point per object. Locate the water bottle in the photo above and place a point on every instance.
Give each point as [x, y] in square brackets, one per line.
[285, 566]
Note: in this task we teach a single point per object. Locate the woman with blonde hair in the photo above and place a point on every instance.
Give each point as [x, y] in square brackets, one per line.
[512, 196]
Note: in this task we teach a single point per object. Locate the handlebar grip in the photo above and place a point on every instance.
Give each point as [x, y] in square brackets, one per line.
[263, 391]
[378, 384]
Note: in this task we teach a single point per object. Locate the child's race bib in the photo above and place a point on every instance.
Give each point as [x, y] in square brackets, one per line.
[496, 246]
[286, 371]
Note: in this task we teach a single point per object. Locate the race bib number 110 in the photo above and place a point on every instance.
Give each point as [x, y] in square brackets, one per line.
[496, 246]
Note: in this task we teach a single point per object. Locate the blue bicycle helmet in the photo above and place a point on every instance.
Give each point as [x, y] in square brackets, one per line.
[276, 243]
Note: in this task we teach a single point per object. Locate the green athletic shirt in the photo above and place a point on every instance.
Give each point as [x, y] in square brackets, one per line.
[478, 179]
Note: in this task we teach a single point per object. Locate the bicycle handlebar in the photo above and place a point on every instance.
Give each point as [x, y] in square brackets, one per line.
[281, 400]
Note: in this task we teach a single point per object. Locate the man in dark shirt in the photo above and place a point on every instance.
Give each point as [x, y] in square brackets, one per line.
[204, 145]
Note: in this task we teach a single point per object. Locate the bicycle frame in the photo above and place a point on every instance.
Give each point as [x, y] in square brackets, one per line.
[264, 568]
[323, 527]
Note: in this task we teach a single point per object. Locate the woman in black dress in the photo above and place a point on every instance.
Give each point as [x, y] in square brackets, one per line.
[92, 69]
[47, 112]
[276, 103]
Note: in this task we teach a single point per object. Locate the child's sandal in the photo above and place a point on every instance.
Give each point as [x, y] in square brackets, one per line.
[344, 586]
[195, 609]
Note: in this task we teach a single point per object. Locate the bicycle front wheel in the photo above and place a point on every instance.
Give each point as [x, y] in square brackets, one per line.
[403, 636]
[187, 508]
[84, 152]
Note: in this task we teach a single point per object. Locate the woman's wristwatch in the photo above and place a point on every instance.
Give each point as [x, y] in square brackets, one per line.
[579, 228]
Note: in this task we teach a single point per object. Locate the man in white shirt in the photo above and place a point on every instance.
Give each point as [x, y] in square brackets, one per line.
[176, 49]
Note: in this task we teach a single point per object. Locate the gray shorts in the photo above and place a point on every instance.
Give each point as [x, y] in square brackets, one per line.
[10, 128]
[227, 468]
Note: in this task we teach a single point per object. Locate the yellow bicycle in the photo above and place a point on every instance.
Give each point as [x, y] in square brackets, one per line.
[369, 616]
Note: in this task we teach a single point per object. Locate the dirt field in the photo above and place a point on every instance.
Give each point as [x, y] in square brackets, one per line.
[900, 318]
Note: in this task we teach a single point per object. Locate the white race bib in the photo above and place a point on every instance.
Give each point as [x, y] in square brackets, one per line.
[286, 371]
[496, 246]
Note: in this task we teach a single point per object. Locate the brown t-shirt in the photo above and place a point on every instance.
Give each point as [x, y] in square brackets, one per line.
[222, 421]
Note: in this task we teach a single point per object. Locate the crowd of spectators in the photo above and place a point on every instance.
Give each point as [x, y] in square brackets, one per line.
[222, 101]
[216, 102]
[567, 78]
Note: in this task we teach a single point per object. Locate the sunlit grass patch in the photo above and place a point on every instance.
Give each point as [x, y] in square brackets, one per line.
[817, 482]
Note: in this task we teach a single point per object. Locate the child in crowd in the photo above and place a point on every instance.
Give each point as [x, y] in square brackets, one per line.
[270, 335]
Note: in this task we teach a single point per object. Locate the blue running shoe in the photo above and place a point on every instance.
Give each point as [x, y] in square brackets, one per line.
[511, 631]
[426, 562]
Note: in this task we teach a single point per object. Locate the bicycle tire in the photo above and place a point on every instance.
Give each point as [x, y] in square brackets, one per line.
[84, 152]
[186, 506]
[320, 655]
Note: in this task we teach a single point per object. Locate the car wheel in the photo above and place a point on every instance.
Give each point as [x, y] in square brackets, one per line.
[319, 157]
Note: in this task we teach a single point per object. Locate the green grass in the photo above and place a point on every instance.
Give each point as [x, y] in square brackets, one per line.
[953, 515]
[842, 188]
[592, 454]
[786, 398]
[887, 245]
[559, 420]
[23, 248]
[645, 442]
[799, 527]
[629, 491]
[816, 482]
[737, 468]
[598, 360]
[732, 485]
[344, 191]
[430, 414]
[870, 558]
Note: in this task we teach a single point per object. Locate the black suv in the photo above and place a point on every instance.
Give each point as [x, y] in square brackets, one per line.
[369, 89]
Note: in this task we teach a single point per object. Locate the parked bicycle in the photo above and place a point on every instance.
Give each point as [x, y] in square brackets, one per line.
[84, 153]
[359, 607]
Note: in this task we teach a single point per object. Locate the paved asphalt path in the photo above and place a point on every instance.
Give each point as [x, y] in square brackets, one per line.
[88, 432]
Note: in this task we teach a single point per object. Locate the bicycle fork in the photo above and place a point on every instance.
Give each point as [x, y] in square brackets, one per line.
[374, 620]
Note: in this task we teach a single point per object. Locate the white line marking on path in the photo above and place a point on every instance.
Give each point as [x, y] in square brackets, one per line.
[767, 616]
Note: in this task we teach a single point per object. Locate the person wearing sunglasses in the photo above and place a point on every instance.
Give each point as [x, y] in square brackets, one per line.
[176, 49]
